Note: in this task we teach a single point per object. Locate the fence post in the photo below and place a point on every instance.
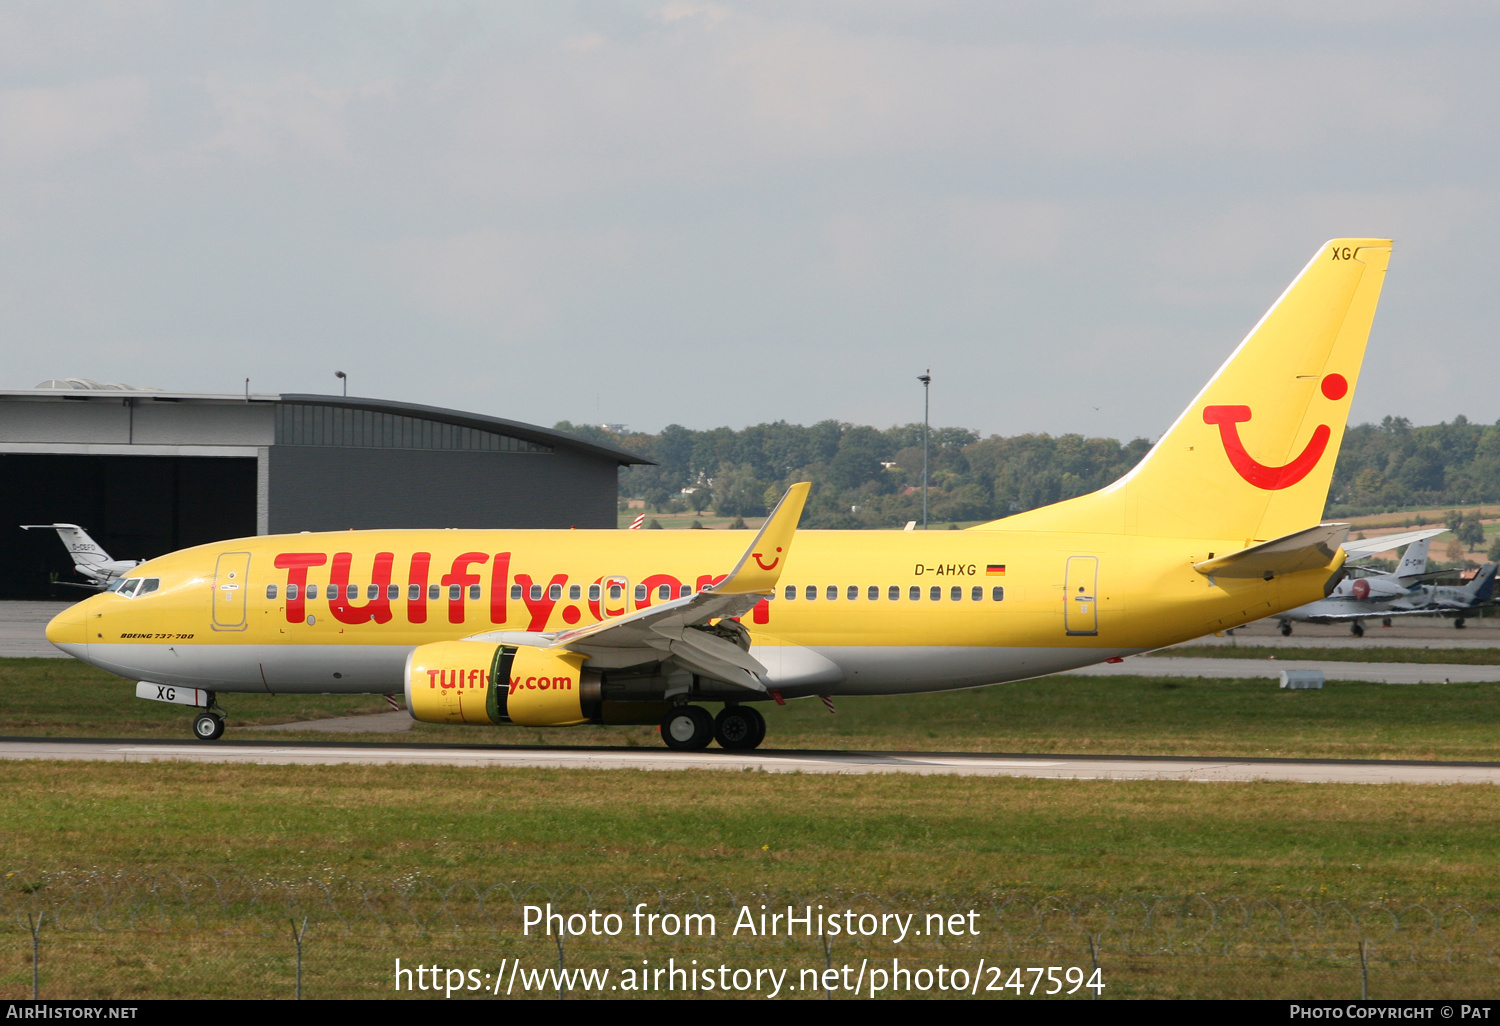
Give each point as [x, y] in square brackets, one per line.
[297, 939]
[1364, 972]
[1094, 957]
[559, 967]
[36, 953]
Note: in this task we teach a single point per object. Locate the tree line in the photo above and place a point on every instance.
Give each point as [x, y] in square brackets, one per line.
[865, 477]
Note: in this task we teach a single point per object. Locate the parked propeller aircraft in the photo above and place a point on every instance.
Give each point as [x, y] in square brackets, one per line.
[1217, 526]
[89, 557]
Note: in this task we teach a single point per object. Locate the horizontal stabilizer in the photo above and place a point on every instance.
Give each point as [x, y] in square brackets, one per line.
[1304, 550]
[1360, 548]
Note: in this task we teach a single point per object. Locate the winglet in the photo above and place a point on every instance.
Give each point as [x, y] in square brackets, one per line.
[760, 567]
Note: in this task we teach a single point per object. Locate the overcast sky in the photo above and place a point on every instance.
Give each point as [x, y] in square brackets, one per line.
[731, 213]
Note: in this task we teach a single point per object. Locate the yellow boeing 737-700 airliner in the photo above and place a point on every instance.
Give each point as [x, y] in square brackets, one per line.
[1217, 526]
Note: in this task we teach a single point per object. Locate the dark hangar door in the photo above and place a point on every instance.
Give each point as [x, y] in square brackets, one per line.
[136, 507]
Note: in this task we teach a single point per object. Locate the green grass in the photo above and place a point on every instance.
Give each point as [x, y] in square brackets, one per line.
[883, 834]
[1082, 715]
[1372, 654]
[67, 698]
[862, 841]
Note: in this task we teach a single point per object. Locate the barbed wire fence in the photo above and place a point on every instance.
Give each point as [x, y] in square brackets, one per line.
[279, 928]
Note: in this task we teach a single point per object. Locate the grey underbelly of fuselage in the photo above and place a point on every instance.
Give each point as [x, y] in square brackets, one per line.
[378, 669]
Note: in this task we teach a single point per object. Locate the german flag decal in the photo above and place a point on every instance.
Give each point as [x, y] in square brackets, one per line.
[994, 570]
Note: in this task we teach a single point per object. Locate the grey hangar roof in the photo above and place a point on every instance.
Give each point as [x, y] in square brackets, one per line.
[147, 471]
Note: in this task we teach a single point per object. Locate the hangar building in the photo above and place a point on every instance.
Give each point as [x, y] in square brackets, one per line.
[147, 472]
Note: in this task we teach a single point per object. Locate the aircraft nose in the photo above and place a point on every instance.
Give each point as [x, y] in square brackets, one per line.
[67, 629]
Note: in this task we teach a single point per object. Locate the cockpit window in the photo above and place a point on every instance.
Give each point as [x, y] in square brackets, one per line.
[149, 585]
[131, 587]
[127, 588]
[114, 585]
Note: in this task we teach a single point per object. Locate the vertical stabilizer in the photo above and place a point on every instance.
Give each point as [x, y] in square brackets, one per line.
[1251, 458]
[1414, 562]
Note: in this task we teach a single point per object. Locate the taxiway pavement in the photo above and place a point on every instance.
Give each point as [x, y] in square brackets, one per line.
[1101, 767]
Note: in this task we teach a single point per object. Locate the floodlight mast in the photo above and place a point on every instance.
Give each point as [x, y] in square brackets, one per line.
[926, 380]
[345, 379]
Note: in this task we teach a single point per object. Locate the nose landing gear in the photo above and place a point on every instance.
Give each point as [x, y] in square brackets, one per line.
[208, 726]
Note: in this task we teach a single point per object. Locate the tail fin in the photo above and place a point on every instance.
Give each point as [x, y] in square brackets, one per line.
[1252, 456]
[1414, 561]
[1482, 586]
[84, 550]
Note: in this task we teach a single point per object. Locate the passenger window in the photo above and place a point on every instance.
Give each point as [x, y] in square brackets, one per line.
[791, 591]
[312, 591]
[956, 593]
[615, 591]
[593, 593]
[373, 591]
[434, 592]
[270, 591]
[874, 592]
[473, 592]
[640, 593]
[414, 593]
[455, 593]
[915, 593]
[894, 593]
[684, 591]
[536, 592]
[853, 592]
[997, 594]
[812, 592]
[574, 592]
[936, 593]
[393, 591]
[555, 592]
[833, 592]
[515, 593]
[149, 585]
[291, 592]
[977, 594]
[664, 592]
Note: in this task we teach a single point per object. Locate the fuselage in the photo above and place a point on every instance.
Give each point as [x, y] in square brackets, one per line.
[854, 612]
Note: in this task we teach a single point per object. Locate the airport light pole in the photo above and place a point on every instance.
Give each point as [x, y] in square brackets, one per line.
[926, 380]
[345, 379]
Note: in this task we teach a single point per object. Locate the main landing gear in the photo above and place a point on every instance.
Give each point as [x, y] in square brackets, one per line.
[1357, 629]
[1458, 623]
[1286, 629]
[689, 728]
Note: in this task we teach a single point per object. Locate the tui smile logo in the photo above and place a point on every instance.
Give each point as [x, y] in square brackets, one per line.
[1258, 474]
[763, 564]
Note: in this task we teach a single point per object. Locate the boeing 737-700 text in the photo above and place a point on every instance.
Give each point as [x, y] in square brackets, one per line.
[1217, 526]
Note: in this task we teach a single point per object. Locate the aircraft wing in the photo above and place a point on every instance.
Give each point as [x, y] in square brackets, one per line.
[1376, 614]
[1301, 550]
[680, 630]
[1363, 548]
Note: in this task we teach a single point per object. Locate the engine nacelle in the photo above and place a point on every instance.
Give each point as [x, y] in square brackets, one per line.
[481, 682]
